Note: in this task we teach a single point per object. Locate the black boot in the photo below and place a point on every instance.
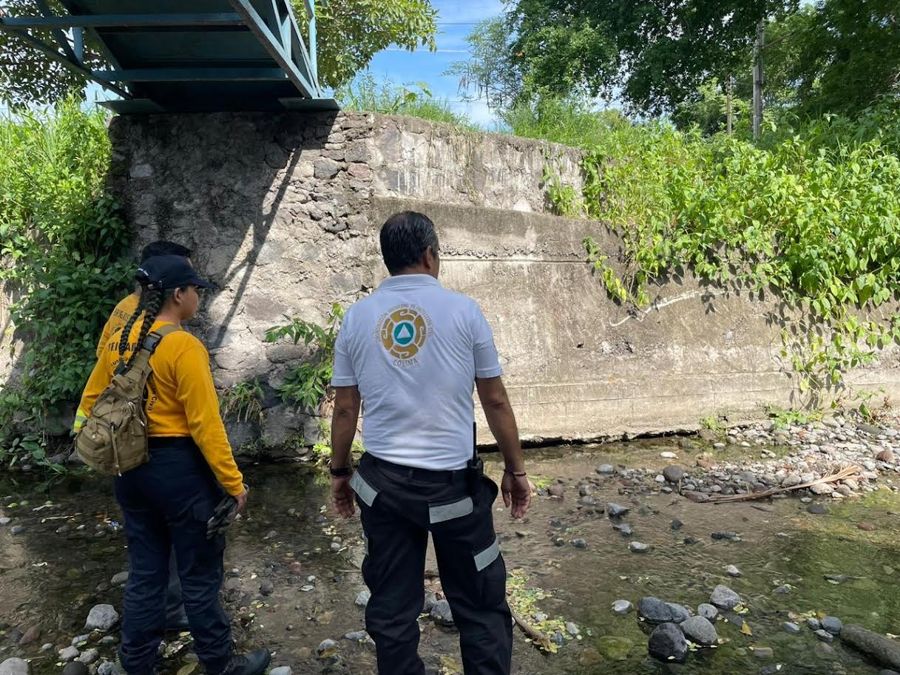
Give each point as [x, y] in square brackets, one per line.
[254, 663]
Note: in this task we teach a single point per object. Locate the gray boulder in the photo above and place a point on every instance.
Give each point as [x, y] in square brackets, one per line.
[14, 666]
[101, 617]
[724, 598]
[877, 647]
[667, 643]
[700, 631]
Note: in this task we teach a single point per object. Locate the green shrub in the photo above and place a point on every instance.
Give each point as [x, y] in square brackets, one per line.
[306, 386]
[242, 402]
[62, 244]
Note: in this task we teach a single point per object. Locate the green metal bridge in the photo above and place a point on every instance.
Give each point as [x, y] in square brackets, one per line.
[185, 55]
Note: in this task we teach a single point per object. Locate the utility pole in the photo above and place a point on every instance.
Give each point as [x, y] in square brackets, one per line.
[729, 112]
[758, 79]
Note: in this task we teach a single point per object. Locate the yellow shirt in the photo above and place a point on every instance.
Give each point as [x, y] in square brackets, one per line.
[181, 398]
[119, 317]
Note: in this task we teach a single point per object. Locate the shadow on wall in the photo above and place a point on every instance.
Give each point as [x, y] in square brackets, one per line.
[273, 207]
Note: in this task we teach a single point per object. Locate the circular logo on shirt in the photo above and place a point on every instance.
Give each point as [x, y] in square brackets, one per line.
[404, 332]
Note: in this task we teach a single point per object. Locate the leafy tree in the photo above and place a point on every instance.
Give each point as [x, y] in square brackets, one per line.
[651, 53]
[837, 56]
[350, 32]
[491, 73]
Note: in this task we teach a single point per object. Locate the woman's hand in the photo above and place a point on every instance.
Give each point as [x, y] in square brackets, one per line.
[241, 499]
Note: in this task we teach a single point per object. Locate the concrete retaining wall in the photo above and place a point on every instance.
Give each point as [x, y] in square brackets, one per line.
[283, 213]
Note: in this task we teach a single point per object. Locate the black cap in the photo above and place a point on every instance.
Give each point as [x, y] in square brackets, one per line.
[164, 272]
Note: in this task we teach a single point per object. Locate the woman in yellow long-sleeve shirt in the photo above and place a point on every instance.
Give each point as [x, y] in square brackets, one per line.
[167, 501]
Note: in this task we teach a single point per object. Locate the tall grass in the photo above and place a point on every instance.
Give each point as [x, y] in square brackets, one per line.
[367, 94]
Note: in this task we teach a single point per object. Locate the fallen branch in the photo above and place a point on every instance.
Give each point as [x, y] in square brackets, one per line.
[533, 633]
[843, 474]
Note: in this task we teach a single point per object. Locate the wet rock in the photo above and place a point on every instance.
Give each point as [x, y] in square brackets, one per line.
[732, 571]
[4, 520]
[88, 656]
[326, 649]
[725, 536]
[14, 666]
[676, 524]
[825, 651]
[667, 643]
[813, 624]
[286, 670]
[707, 611]
[441, 613]
[817, 509]
[579, 543]
[784, 589]
[572, 629]
[109, 668]
[690, 541]
[429, 602]
[587, 500]
[832, 624]
[616, 510]
[638, 547]
[824, 635]
[654, 610]
[362, 598]
[606, 469]
[695, 496]
[699, 630]
[673, 473]
[878, 647]
[771, 670]
[614, 648]
[68, 654]
[75, 668]
[101, 617]
[624, 529]
[622, 607]
[763, 652]
[17, 529]
[791, 627]
[30, 635]
[556, 490]
[119, 578]
[866, 527]
[724, 598]
[266, 587]
[886, 456]
[354, 636]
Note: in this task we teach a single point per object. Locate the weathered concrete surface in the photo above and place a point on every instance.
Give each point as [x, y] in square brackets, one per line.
[283, 211]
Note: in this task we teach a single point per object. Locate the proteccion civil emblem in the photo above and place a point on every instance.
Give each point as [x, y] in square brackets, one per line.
[403, 332]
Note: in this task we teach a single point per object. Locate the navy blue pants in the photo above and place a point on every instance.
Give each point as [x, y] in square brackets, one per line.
[166, 503]
[399, 506]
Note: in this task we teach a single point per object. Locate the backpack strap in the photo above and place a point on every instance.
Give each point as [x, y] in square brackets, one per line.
[151, 342]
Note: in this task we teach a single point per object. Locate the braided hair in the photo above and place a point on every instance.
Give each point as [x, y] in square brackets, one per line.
[152, 298]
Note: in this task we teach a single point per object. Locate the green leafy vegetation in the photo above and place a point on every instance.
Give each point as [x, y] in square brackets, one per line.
[783, 418]
[812, 217]
[242, 402]
[306, 386]
[367, 94]
[62, 246]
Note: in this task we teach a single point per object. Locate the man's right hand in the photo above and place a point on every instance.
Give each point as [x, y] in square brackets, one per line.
[516, 491]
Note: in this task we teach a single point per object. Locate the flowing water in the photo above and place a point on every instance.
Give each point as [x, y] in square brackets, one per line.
[51, 577]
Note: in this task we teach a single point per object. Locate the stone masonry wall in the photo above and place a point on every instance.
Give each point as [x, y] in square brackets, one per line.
[283, 211]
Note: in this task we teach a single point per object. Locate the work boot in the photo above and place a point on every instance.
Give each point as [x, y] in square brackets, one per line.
[254, 663]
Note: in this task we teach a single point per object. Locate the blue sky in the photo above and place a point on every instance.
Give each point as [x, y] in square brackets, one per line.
[456, 19]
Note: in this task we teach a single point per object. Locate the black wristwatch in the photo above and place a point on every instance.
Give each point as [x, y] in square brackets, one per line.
[340, 472]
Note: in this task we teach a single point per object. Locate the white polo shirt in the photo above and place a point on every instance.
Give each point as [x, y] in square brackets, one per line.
[414, 350]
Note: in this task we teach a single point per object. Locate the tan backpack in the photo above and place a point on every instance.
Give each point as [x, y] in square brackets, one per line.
[113, 440]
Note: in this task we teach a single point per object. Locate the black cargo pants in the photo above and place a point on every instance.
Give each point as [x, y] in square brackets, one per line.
[399, 506]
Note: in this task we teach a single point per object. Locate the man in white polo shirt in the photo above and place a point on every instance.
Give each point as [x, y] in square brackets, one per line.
[411, 353]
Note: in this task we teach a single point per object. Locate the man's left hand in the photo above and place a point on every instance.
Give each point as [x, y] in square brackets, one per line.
[342, 496]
